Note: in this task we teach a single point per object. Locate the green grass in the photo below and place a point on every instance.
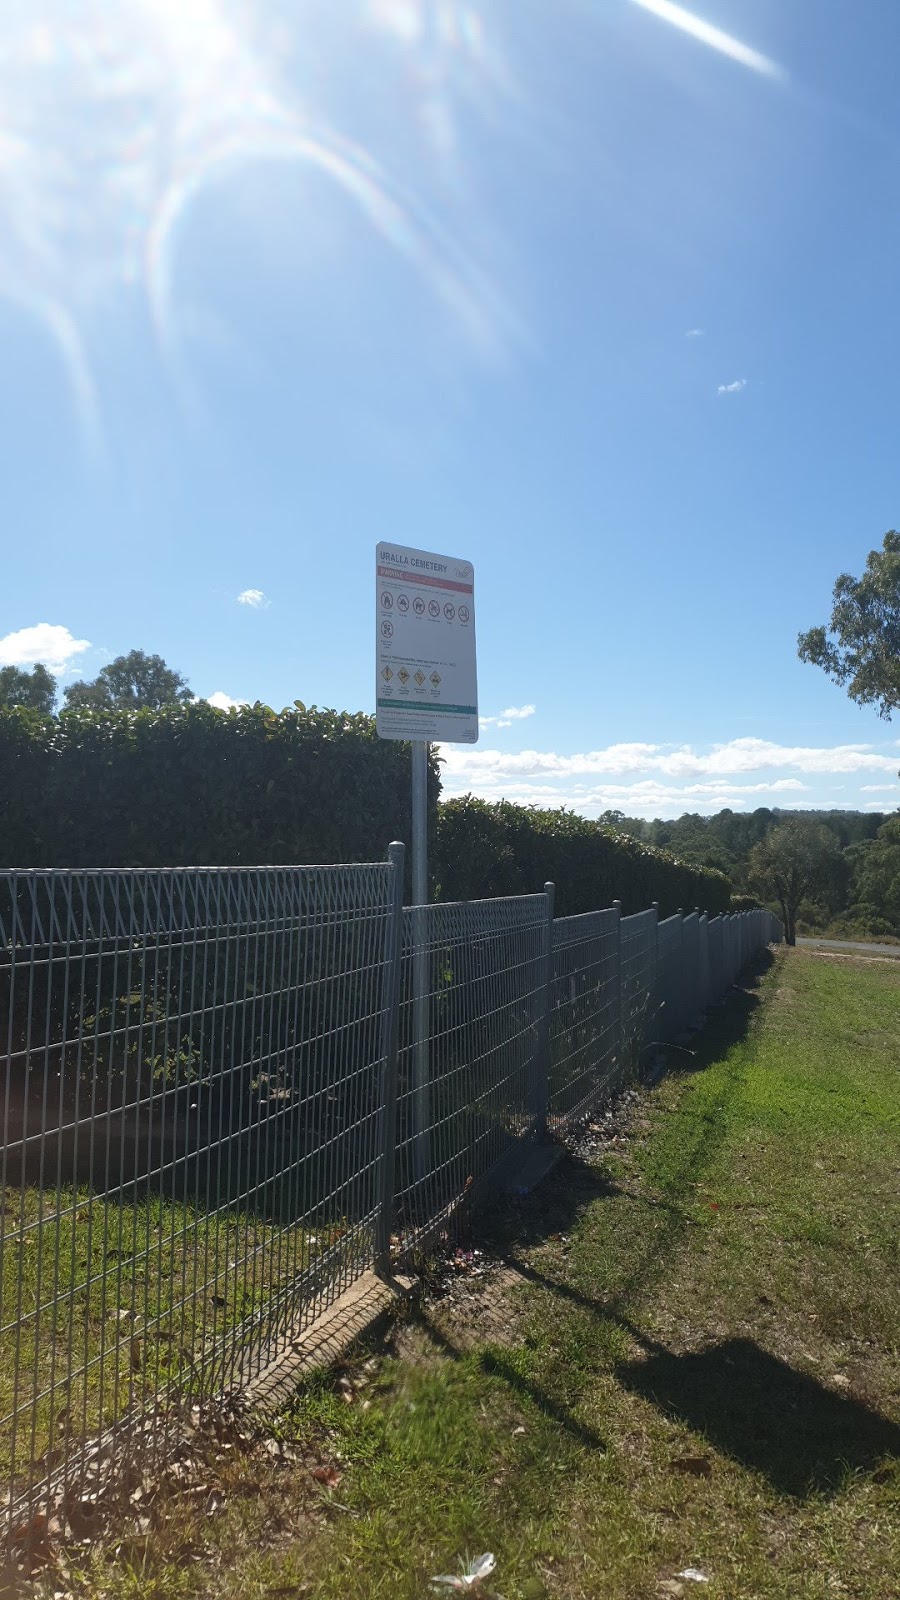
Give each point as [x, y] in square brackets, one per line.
[105, 1303]
[701, 1365]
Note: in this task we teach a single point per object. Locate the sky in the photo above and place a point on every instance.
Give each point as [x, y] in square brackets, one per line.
[599, 295]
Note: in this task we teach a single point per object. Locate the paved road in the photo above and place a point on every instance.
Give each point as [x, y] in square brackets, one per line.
[851, 948]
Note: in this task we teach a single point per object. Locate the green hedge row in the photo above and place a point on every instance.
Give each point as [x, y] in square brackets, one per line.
[485, 849]
[193, 786]
[190, 786]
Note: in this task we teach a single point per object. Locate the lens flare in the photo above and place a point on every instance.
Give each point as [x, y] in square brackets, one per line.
[114, 120]
[717, 39]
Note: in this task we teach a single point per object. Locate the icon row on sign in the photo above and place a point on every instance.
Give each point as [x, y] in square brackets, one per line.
[421, 607]
[418, 677]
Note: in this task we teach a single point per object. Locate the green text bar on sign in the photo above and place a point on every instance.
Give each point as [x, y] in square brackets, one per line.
[415, 705]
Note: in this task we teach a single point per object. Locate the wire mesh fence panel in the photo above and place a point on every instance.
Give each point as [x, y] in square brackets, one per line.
[473, 993]
[191, 1136]
[585, 1057]
[690, 968]
[670, 986]
[703, 965]
[716, 960]
[637, 984]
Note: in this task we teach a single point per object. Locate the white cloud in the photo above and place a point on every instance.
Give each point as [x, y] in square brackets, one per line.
[738, 756]
[880, 788]
[654, 780]
[732, 388]
[48, 642]
[508, 717]
[695, 333]
[224, 702]
[255, 598]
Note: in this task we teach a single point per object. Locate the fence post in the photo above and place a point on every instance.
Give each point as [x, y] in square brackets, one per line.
[620, 1031]
[390, 1038]
[542, 1088]
[657, 989]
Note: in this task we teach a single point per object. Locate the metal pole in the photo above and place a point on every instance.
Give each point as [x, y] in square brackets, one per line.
[659, 1020]
[542, 1094]
[390, 1026]
[421, 1066]
[620, 1031]
[419, 823]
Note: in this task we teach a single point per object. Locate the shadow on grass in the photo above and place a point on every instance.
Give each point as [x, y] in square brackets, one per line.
[784, 1424]
[496, 1365]
[577, 1184]
[749, 1404]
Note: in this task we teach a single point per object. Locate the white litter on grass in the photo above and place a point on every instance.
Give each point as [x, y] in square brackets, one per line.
[469, 1582]
[693, 1575]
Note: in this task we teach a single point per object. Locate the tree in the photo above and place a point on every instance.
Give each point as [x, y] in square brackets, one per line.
[877, 875]
[131, 683]
[35, 689]
[860, 646]
[796, 860]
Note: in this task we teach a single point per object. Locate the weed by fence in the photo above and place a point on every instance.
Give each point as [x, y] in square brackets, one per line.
[230, 1093]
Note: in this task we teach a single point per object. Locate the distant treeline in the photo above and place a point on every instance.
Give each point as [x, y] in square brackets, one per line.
[862, 896]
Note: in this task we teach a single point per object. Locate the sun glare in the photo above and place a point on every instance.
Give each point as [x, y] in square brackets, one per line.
[115, 119]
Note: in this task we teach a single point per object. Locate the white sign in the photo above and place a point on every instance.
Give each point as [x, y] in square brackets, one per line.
[425, 646]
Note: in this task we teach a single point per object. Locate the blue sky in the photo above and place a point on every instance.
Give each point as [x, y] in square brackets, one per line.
[599, 294]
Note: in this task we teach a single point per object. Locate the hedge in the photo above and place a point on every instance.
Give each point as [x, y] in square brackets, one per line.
[194, 786]
[485, 849]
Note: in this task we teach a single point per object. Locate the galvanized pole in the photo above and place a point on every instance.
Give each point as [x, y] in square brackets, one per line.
[620, 1031]
[390, 1029]
[421, 1067]
[542, 1092]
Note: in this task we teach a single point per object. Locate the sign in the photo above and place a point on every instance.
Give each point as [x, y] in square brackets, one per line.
[425, 646]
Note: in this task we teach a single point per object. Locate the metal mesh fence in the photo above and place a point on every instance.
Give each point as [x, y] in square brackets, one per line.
[585, 1043]
[229, 1093]
[191, 1134]
[694, 999]
[637, 985]
[670, 985]
[471, 1014]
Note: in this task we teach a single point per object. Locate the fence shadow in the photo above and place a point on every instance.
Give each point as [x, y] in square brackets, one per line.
[784, 1424]
[725, 1024]
[577, 1183]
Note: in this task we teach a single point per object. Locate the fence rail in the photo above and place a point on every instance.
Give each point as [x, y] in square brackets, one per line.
[229, 1093]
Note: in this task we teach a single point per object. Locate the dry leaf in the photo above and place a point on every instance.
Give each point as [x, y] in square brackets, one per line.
[327, 1475]
[31, 1532]
[669, 1586]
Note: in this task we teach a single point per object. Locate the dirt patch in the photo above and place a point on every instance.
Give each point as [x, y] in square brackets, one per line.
[469, 1300]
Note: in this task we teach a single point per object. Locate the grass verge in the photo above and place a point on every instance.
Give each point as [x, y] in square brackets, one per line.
[697, 1366]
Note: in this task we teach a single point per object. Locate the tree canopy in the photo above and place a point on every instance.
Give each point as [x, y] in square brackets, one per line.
[860, 647]
[796, 860]
[135, 682]
[36, 690]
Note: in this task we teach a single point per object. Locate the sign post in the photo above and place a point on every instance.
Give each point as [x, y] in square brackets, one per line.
[427, 690]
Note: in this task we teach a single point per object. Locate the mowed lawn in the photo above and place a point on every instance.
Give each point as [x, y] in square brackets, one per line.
[691, 1362]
